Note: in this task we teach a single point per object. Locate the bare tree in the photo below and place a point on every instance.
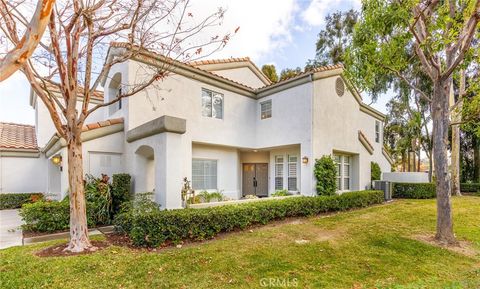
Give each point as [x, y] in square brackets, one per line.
[75, 56]
[24, 48]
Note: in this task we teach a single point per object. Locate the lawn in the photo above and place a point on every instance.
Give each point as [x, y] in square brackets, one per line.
[366, 248]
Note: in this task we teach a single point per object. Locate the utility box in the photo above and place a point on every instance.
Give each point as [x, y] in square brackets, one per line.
[386, 187]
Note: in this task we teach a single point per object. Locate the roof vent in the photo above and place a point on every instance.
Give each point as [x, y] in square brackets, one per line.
[339, 86]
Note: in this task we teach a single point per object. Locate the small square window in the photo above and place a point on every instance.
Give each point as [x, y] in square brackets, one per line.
[266, 109]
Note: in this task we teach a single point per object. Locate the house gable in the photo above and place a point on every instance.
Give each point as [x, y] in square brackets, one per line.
[242, 70]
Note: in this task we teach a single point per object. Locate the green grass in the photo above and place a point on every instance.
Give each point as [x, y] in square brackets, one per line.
[359, 249]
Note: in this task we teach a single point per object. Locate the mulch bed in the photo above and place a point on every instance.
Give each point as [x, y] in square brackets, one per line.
[57, 250]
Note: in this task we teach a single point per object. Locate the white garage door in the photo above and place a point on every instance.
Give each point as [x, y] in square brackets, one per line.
[105, 163]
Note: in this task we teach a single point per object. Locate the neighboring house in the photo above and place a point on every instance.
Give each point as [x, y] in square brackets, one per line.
[223, 125]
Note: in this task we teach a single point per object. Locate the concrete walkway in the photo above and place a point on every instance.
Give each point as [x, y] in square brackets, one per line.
[10, 232]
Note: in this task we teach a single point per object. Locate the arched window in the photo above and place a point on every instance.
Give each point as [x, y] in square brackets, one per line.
[114, 90]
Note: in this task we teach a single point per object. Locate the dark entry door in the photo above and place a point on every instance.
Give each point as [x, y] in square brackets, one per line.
[255, 179]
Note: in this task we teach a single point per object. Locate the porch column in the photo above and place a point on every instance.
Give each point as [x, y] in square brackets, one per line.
[170, 165]
[307, 184]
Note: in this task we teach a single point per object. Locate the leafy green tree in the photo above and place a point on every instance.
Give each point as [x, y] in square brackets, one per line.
[334, 39]
[375, 171]
[270, 71]
[289, 73]
[325, 172]
[440, 33]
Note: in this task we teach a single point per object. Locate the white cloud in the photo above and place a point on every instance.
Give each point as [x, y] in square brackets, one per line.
[265, 25]
[316, 11]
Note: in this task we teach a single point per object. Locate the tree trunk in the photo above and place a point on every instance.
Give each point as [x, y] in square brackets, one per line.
[78, 218]
[456, 117]
[408, 161]
[440, 116]
[476, 159]
[455, 165]
[419, 161]
[430, 166]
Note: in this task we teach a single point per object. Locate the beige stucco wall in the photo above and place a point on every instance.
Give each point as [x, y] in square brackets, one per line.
[336, 123]
[22, 175]
[242, 75]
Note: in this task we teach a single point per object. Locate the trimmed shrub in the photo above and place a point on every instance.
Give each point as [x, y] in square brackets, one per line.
[121, 191]
[50, 216]
[281, 193]
[414, 190]
[16, 200]
[470, 187]
[325, 172]
[155, 227]
[375, 171]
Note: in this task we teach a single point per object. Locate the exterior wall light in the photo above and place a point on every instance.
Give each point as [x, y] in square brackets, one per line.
[305, 160]
[57, 160]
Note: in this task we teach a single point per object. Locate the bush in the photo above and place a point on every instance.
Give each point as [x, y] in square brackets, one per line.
[206, 197]
[414, 190]
[50, 216]
[375, 171]
[16, 200]
[281, 193]
[155, 227]
[98, 196]
[470, 187]
[121, 191]
[325, 172]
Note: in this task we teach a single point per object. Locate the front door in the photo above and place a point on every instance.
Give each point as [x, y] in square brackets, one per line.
[255, 179]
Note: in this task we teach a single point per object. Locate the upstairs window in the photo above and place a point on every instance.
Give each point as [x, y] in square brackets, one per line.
[212, 104]
[114, 91]
[266, 109]
[377, 131]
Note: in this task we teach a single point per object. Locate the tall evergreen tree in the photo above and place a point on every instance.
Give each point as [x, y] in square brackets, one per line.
[334, 39]
[270, 71]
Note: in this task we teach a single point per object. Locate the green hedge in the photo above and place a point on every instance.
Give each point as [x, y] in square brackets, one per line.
[16, 200]
[121, 191]
[50, 216]
[155, 227]
[470, 187]
[414, 190]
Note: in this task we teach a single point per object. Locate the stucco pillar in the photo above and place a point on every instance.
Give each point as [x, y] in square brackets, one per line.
[169, 170]
[307, 186]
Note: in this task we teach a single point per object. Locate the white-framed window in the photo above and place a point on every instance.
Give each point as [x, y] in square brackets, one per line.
[279, 172]
[266, 109]
[204, 174]
[344, 171]
[377, 131]
[212, 104]
[292, 172]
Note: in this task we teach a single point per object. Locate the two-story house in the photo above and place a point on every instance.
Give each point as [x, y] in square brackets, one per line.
[223, 125]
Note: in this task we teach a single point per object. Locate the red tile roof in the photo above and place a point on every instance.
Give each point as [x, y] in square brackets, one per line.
[18, 136]
[97, 94]
[217, 61]
[100, 124]
[151, 53]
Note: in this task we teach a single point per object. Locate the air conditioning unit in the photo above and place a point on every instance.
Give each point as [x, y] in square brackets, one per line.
[386, 187]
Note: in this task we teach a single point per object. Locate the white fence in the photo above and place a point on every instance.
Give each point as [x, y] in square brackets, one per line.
[405, 177]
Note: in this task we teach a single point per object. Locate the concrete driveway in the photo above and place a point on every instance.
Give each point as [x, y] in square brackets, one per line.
[10, 232]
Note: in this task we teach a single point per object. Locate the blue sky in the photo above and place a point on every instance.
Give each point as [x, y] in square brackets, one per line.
[280, 32]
